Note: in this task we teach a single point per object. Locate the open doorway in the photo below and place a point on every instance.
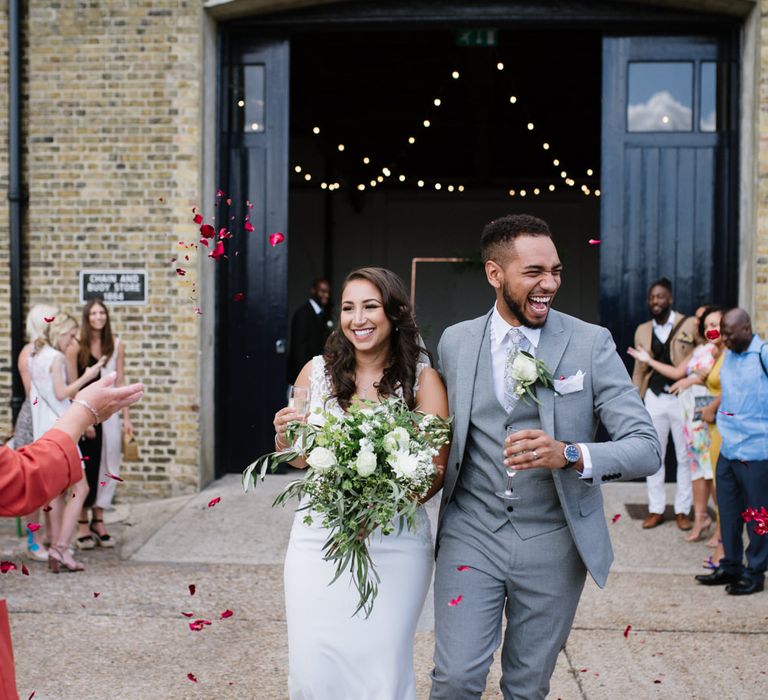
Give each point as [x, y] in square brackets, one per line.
[403, 144]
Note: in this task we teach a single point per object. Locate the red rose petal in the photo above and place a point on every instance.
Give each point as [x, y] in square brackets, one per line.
[187, 614]
[192, 589]
[726, 413]
[96, 594]
[214, 501]
[463, 567]
[207, 231]
[276, 239]
[198, 625]
[455, 601]
[593, 241]
[238, 297]
[6, 566]
[102, 483]
[220, 193]
[626, 631]
[204, 241]
[198, 219]
[49, 319]
[615, 517]
[226, 614]
[249, 227]
[218, 251]
[33, 527]
[198, 311]
[584, 670]
[85, 458]
[24, 570]
[657, 681]
[249, 203]
[47, 509]
[224, 234]
[192, 677]
[114, 476]
[31, 696]
[180, 271]
[34, 403]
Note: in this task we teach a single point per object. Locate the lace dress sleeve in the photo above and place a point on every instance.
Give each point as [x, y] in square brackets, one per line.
[419, 369]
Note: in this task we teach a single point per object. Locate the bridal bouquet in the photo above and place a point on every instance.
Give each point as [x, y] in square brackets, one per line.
[367, 469]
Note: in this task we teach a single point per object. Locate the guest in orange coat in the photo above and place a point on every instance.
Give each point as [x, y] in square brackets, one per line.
[34, 474]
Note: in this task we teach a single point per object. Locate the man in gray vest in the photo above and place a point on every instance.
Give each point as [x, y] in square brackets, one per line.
[526, 552]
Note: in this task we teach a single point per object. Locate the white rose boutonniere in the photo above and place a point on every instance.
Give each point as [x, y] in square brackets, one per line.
[524, 369]
[365, 464]
[321, 459]
[527, 371]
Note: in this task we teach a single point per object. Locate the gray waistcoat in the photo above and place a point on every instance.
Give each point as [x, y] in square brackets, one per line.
[538, 509]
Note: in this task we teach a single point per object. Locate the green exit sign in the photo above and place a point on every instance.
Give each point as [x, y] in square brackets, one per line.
[476, 37]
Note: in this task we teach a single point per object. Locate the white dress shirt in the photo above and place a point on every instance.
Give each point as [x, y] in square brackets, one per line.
[318, 309]
[499, 341]
[662, 330]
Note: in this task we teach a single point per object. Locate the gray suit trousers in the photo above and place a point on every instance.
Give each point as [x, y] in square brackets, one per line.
[482, 574]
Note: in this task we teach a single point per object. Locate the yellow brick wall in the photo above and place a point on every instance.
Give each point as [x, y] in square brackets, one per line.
[761, 233]
[113, 166]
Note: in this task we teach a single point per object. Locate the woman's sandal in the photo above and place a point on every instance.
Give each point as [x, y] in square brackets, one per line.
[86, 541]
[104, 540]
[59, 556]
[700, 531]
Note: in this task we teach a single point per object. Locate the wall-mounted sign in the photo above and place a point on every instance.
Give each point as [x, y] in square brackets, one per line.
[114, 286]
[476, 37]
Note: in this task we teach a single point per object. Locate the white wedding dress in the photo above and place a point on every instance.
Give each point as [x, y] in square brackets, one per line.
[332, 655]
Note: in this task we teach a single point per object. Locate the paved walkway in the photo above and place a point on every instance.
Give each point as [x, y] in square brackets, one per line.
[116, 631]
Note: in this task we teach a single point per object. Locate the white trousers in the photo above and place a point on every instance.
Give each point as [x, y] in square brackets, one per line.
[667, 418]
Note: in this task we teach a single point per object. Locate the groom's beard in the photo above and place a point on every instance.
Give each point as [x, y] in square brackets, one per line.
[519, 313]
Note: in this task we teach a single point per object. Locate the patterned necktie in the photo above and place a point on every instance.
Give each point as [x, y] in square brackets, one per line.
[516, 343]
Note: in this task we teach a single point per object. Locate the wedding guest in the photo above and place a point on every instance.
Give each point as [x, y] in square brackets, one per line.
[310, 327]
[36, 473]
[102, 445]
[693, 395]
[23, 434]
[52, 393]
[742, 468]
[374, 353]
[668, 337]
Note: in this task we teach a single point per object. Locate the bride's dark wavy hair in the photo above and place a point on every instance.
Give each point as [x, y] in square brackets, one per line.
[405, 343]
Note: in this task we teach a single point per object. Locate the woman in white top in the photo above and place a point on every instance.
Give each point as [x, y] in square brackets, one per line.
[51, 394]
[331, 654]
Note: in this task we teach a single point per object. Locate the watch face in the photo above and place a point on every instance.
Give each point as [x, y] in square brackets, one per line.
[571, 453]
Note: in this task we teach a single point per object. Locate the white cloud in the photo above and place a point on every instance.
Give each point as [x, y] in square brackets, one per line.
[662, 112]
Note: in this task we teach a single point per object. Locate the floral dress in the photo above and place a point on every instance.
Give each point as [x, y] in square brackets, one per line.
[692, 400]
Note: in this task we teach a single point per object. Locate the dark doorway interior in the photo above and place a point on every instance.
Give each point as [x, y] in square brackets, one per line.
[371, 91]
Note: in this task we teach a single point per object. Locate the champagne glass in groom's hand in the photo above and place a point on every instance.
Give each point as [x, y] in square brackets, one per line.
[508, 493]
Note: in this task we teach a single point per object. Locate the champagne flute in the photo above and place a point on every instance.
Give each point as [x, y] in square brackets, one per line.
[508, 494]
[298, 398]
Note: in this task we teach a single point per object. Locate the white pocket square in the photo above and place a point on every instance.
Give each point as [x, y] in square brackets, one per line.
[569, 385]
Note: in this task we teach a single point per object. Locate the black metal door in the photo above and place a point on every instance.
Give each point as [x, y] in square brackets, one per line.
[668, 169]
[252, 281]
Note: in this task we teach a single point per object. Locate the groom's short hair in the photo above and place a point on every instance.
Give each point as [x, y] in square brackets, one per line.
[499, 233]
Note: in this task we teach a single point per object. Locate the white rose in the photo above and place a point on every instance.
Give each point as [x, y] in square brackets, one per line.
[365, 463]
[524, 369]
[404, 464]
[397, 440]
[321, 459]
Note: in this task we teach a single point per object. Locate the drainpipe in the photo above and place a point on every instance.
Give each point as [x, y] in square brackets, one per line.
[15, 193]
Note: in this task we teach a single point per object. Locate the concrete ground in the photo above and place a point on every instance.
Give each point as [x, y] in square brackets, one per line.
[116, 630]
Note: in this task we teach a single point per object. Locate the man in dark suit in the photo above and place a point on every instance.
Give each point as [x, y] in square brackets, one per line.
[310, 327]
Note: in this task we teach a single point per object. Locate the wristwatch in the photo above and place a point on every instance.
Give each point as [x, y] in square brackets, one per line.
[571, 453]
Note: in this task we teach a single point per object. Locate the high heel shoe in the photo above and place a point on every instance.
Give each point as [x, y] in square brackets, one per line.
[701, 524]
[86, 541]
[105, 540]
[59, 556]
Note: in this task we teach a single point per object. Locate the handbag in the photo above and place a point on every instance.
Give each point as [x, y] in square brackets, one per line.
[130, 449]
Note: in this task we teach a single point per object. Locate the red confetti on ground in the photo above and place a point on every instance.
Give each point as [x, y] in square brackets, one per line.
[192, 677]
[197, 625]
[657, 681]
[584, 670]
[626, 631]
[207, 231]
[594, 241]
[226, 614]
[615, 517]
[180, 271]
[33, 527]
[249, 227]
[218, 251]
[47, 509]
[187, 614]
[455, 601]
[463, 567]
[24, 570]
[238, 297]
[249, 203]
[34, 403]
[276, 239]
[31, 696]
[49, 319]
[214, 501]
[114, 476]
[96, 594]
[6, 566]
[192, 589]
[198, 219]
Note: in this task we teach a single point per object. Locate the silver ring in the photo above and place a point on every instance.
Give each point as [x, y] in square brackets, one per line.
[535, 455]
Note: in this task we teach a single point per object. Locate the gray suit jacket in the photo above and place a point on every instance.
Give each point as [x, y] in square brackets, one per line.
[566, 346]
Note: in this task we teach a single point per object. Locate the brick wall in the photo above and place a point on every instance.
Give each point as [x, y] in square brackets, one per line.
[761, 233]
[113, 166]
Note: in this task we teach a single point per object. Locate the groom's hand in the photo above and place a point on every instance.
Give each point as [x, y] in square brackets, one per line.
[533, 449]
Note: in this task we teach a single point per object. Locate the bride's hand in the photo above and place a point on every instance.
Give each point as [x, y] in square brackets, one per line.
[282, 418]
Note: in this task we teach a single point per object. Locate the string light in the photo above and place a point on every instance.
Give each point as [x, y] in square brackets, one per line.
[522, 193]
[323, 185]
[589, 172]
[438, 102]
[307, 177]
[241, 103]
[297, 169]
[373, 183]
[536, 190]
[366, 160]
[597, 193]
[551, 188]
[555, 162]
[361, 187]
[545, 146]
[427, 123]
[500, 66]
[455, 75]
[316, 130]
[386, 171]
[511, 193]
[461, 188]
[530, 126]
[401, 178]
[450, 188]
[420, 183]
[379, 179]
[411, 140]
[341, 147]
[513, 99]
[437, 185]
[563, 174]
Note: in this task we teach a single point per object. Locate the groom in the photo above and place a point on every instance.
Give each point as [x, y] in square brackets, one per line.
[526, 556]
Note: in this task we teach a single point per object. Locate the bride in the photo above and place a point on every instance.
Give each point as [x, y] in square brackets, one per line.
[333, 655]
